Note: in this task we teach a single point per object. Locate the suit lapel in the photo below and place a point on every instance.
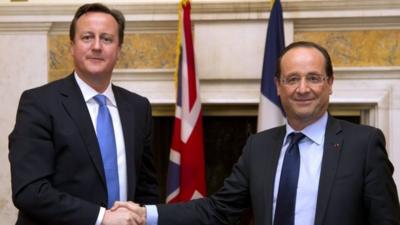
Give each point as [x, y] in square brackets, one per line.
[127, 116]
[75, 106]
[275, 147]
[330, 161]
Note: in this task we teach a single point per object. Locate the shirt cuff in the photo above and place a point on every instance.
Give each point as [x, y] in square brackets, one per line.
[151, 215]
[100, 216]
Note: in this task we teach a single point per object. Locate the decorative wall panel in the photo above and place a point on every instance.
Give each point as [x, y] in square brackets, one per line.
[358, 48]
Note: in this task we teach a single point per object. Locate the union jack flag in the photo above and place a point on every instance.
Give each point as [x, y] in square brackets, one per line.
[186, 176]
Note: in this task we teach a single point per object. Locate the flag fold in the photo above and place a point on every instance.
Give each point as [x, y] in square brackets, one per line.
[186, 175]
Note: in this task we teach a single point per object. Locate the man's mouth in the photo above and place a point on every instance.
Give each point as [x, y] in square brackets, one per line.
[304, 100]
[96, 58]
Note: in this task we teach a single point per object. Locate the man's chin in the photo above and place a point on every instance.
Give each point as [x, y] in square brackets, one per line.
[96, 72]
[304, 115]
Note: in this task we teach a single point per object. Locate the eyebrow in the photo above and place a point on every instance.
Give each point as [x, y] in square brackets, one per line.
[106, 34]
[308, 73]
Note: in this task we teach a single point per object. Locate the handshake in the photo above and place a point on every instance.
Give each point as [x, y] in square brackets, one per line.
[125, 213]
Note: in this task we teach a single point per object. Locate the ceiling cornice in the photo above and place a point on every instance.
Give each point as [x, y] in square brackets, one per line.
[291, 8]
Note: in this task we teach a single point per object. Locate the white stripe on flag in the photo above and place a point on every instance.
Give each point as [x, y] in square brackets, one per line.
[175, 157]
[269, 115]
[189, 117]
[172, 195]
[197, 195]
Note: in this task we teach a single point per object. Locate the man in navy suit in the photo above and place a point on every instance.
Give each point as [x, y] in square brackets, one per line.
[57, 170]
[344, 174]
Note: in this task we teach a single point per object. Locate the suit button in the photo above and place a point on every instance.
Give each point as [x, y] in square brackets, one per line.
[103, 205]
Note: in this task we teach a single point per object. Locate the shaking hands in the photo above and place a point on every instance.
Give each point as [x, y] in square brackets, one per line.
[125, 213]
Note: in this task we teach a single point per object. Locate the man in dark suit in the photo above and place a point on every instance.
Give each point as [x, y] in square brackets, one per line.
[58, 163]
[342, 175]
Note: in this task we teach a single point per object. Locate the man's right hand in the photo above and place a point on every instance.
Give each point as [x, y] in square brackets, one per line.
[122, 216]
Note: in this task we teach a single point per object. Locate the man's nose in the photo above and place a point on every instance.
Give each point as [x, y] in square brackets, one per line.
[303, 86]
[97, 44]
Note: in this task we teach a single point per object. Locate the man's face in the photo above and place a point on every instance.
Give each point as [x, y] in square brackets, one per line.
[95, 48]
[306, 101]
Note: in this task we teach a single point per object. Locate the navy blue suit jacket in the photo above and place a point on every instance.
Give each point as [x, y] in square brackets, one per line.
[56, 167]
[355, 188]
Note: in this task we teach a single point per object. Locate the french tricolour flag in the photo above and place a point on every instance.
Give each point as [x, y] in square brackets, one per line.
[270, 113]
[186, 175]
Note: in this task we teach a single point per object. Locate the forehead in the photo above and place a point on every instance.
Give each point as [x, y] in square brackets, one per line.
[98, 20]
[302, 59]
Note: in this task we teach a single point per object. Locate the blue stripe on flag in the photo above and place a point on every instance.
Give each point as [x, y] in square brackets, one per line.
[275, 43]
[173, 177]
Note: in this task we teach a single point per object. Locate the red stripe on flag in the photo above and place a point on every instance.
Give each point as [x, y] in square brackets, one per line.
[187, 31]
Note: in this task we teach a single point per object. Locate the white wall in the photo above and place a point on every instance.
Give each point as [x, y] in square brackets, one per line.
[23, 65]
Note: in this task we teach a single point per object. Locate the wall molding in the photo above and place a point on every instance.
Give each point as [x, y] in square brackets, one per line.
[24, 27]
[342, 73]
[147, 16]
[369, 73]
[139, 10]
[158, 85]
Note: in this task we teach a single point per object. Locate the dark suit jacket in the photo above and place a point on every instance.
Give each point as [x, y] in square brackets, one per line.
[355, 187]
[56, 167]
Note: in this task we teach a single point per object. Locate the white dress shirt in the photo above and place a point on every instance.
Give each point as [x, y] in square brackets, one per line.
[311, 151]
[93, 107]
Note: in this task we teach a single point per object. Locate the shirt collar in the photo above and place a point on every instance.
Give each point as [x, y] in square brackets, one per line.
[314, 131]
[88, 92]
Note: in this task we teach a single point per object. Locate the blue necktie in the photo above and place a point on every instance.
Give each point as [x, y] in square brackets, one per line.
[106, 138]
[286, 200]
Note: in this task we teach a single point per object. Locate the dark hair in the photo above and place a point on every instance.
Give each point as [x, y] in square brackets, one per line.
[98, 7]
[306, 44]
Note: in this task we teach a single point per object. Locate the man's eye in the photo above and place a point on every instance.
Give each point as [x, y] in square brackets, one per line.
[314, 79]
[86, 38]
[107, 40]
[292, 80]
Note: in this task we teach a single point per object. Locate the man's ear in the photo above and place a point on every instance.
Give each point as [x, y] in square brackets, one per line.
[71, 49]
[330, 83]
